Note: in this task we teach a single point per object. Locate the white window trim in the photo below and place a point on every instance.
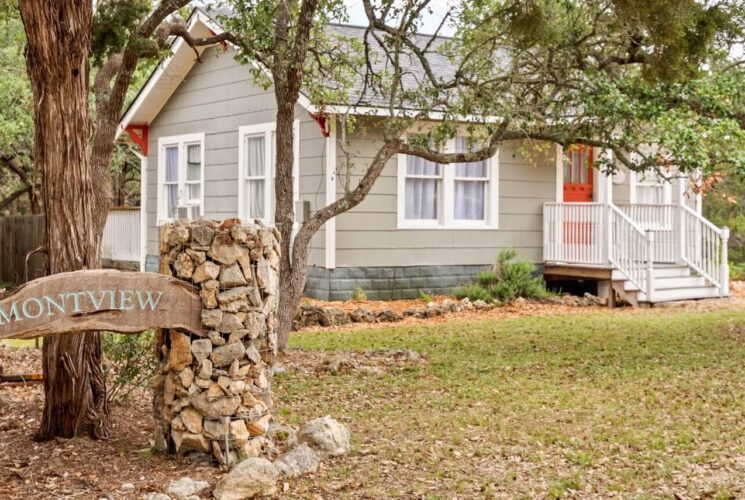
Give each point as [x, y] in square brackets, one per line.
[635, 181]
[446, 196]
[266, 128]
[181, 141]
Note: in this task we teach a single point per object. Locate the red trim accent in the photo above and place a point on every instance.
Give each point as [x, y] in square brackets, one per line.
[322, 123]
[138, 133]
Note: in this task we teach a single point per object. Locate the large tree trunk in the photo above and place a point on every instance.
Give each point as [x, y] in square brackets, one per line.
[57, 57]
[284, 218]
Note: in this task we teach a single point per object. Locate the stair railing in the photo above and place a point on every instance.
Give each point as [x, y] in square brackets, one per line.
[632, 250]
[704, 248]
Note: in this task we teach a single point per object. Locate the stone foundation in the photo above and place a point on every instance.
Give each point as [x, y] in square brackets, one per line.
[213, 391]
[387, 283]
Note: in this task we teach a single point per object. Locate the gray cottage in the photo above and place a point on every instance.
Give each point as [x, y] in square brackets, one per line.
[205, 133]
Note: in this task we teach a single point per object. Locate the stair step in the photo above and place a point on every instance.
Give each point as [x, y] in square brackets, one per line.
[669, 283]
[672, 271]
[686, 293]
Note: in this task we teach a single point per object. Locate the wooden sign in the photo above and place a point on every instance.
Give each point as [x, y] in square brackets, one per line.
[103, 299]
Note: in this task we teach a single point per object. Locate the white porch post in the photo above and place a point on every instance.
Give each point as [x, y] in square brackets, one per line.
[330, 168]
[650, 265]
[682, 186]
[724, 264]
[143, 209]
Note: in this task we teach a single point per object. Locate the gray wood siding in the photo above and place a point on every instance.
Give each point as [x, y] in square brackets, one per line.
[216, 98]
[367, 235]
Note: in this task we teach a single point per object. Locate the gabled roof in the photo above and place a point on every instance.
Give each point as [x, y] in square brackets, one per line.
[171, 71]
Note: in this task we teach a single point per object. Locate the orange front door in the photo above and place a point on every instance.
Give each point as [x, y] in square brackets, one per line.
[577, 189]
[578, 174]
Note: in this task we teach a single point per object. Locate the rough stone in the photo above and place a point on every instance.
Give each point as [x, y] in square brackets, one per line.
[225, 355]
[198, 257]
[185, 488]
[206, 271]
[184, 266]
[211, 318]
[156, 496]
[259, 427]
[186, 441]
[216, 339]
[205, 369]
[222, 407]
[325, 435]
[232, 276]
[186, 376]
[298, 461]
[230, 322]
[191, 419]
[178, 235]
[226, 254]
[232, 294]
[208, 293]
[201, 349]
[179, 357]
[253, 477]
[202, 234]
[253, 355]
[215, 429]
[238, 433]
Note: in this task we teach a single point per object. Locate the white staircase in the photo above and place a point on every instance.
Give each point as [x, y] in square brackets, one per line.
[670, 282]
[655, 253]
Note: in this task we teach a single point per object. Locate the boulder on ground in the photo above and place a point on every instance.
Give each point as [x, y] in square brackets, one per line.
[251, 478]
[186, 487]
[325, 435]
[298, 461]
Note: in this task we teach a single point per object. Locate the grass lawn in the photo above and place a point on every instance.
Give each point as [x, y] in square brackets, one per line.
[631, 405]
[19, 342]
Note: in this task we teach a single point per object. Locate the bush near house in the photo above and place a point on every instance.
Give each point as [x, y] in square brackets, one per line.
[505, 281]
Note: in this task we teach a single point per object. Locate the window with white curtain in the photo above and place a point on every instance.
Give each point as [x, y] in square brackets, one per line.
[651, 188]
[256, 170]
[459, 195]
[180, 177]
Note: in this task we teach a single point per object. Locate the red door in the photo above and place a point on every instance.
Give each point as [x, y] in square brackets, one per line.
[578, 174]
[578, 189]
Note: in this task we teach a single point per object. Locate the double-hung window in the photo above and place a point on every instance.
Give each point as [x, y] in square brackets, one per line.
[181, 177]
[459, 195]
[256, 172]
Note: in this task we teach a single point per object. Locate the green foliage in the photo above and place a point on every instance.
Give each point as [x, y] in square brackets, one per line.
[113, 23]
[425, 296]
[359, 295]
[506, 281]
[129, 362]
[737, 271]
[473, 292]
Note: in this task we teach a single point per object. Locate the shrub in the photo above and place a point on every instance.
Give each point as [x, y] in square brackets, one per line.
[473, 292]
[359, 295]
[129, 362]
[505, 281]
[426, 297]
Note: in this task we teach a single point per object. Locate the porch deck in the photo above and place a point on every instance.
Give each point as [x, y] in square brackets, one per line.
[646, 253]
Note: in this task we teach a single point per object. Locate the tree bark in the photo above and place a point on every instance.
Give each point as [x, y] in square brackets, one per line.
[57, 58]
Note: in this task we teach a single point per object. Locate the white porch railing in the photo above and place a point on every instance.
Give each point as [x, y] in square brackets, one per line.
[121, 235]
[574, 233]
[631, 249]
[632, 238]
[704, 248]
[662, 219]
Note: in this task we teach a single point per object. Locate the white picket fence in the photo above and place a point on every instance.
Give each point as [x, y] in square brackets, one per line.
[121, 236]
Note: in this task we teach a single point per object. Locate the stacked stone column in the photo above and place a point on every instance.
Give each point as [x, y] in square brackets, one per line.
[212, 390]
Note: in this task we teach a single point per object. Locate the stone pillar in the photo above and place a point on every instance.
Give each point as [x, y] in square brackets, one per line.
[212, 392]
